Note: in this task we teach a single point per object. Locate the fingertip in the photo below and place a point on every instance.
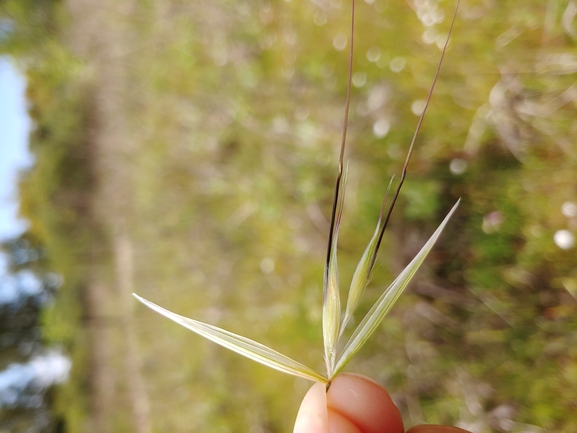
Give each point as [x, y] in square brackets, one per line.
[338, 423]
[364, 403]
[312, 414]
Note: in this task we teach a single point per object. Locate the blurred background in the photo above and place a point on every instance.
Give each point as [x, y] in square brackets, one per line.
[187, 151]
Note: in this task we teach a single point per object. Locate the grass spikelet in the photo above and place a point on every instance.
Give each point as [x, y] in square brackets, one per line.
[331, 295]
[331, 311]
[331, 291]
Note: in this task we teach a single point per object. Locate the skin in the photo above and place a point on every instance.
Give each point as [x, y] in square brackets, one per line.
[355, 404]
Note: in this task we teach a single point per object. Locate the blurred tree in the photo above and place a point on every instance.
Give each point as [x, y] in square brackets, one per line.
[27, 370]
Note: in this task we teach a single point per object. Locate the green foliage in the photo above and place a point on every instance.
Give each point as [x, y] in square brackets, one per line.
[55, 194]
[29, 25]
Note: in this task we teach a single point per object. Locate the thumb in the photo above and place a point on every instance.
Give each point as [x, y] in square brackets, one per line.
[353, 404]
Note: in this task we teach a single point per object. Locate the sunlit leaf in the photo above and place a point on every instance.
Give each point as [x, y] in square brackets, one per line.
[251, 349]
[385, 302]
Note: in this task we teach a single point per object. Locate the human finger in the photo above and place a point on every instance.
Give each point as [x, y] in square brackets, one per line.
[357, 402]
[312, 414]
